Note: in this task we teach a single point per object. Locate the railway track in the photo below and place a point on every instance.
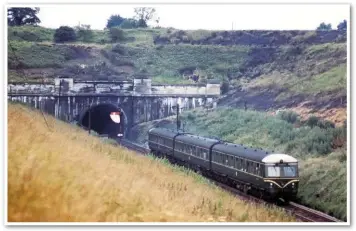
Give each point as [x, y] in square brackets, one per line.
[301, 212]
[133, 146]
[306, 214]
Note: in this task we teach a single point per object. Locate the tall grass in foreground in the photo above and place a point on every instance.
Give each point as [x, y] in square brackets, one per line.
[63, 174]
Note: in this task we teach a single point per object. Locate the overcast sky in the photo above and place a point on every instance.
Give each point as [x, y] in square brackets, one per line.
[218, 17]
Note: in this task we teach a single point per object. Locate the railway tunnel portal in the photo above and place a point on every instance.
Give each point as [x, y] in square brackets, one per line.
[105, 119]
[90, 103]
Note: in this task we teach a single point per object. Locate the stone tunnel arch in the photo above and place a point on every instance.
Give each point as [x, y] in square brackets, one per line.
[101, 122]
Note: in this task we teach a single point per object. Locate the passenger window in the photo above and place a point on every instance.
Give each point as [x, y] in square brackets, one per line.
[232, 161]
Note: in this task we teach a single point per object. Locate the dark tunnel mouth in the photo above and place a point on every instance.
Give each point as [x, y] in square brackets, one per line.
[101, 122]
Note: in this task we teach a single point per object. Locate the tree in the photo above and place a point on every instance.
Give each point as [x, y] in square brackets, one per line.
[84, 33]
[324, 27]
[18, 16]
[129, 23]
[114, 21]
[64, 34]
[144, 14]
[342, 25]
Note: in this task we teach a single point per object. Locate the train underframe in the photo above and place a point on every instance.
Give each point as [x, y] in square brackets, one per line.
[245, 187]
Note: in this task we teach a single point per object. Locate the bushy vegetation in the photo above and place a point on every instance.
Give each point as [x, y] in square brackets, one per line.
[250, 37]
[115, 20]
[116, 34]
[64, 34]
[289, 116]
[84, 33]
[256, 129]
[324, 27]
[62, 174]
[342, 26]
[323, 183]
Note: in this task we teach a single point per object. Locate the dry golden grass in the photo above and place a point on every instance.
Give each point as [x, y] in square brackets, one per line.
[67, 175]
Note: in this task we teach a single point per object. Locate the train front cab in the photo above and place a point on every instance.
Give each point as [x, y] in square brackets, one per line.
[281, 176]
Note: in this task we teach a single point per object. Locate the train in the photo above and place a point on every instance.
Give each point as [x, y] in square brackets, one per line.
[268, 175]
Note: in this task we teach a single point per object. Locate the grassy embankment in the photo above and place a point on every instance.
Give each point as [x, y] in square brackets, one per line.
[323, 183]
[294, 66]
[298, 74]
[63, 174]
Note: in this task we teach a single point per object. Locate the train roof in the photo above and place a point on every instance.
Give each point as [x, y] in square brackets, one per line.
[197, 140]
[163, 132]
[279, 157]
[253, 154]
[241, 151]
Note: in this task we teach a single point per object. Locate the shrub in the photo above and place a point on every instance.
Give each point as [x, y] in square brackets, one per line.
[312, 121]
[64, 34]
[340, 137]
[116, 34]
[289, 116]
[325, 124]
[84, 33]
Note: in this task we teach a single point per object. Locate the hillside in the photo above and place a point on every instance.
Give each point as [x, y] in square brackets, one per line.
[302, 70]
[60, 173]
[321, 150]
